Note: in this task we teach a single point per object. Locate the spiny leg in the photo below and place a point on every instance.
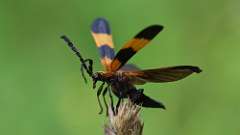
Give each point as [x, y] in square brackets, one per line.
[104, 99]
[98, 94]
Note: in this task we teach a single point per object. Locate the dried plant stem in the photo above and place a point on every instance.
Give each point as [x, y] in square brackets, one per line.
[126, 122]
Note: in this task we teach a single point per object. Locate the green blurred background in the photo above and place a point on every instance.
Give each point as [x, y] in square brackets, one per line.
[42, 92]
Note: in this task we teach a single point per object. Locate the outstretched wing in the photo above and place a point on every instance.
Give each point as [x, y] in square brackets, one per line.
[129, 68]
[102, 35]
[161, 75]
[134, 45]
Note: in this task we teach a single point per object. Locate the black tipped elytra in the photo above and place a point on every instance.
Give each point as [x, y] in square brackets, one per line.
[150, 32]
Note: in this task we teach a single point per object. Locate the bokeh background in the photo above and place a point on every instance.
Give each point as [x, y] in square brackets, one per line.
[42, 92]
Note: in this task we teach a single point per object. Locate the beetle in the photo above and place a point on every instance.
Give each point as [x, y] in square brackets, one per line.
[121, 78]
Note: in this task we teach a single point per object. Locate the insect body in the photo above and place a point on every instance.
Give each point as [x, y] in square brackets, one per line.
[121, 78]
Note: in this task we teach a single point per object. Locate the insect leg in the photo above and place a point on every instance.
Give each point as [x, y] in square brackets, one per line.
[98, 94]
[118, 104]
[89, 68]
[104, 99]
[90, 64]
[111, 100]
[83, 75]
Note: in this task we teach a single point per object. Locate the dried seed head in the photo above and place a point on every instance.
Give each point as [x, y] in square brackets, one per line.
[126, 121]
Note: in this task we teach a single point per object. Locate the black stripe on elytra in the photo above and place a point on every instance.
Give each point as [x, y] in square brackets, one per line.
[149, 32]
[124, 55]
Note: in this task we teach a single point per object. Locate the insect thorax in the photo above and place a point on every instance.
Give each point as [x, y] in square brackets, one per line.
[110, 77]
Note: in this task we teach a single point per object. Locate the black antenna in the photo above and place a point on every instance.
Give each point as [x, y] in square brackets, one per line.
[82, 60]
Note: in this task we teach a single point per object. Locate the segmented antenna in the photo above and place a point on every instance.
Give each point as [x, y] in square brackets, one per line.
[82, 60]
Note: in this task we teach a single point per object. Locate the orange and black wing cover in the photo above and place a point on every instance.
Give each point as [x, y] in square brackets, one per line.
[102, 35]
[134, 45]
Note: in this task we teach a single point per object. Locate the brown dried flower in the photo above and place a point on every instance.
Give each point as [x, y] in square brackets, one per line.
[126, 121]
